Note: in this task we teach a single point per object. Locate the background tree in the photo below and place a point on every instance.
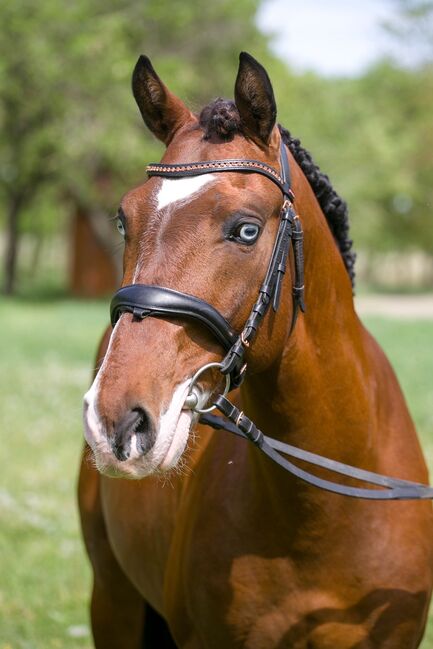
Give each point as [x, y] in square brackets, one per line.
[412, 27]
[66, 108]
[30, 123]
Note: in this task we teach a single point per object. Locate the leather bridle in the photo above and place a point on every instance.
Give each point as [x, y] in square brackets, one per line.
[144, 300]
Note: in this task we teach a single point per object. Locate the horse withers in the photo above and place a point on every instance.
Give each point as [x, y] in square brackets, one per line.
[203, 542]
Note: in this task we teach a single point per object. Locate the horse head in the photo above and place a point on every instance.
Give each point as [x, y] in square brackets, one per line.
[210, 236]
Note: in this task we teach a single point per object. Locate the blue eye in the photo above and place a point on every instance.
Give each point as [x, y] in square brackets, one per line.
[120, 227]
[247, 233]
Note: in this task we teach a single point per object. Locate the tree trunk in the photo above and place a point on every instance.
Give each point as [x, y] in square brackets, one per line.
[93, 270]
[12, 237]
[35, 257]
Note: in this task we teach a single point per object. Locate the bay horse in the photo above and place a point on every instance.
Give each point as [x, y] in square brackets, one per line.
[202, 542]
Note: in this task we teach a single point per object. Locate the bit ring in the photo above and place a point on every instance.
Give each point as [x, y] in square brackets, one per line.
[195, 379]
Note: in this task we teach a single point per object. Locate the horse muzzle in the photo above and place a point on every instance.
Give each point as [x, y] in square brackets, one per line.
[137, 444]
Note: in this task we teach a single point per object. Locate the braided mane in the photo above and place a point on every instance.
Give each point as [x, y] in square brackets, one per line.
[220, 120]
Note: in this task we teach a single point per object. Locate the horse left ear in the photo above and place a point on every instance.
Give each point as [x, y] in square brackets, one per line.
[255, 101]
[163, 112]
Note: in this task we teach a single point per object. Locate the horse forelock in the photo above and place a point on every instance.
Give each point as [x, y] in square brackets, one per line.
[220, 120]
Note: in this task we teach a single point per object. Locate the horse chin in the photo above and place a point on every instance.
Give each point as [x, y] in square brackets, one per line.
[108, 466]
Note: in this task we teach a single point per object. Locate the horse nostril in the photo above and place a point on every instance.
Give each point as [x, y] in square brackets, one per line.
[120, 451]
[134, 425]
[144, 431]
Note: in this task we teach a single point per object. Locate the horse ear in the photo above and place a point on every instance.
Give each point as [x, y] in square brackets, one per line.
[163, 112]
[255, 100]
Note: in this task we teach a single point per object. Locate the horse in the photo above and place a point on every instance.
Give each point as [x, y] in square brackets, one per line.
[196, 539]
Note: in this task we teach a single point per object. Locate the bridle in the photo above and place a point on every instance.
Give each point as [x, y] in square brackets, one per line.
[144, 300]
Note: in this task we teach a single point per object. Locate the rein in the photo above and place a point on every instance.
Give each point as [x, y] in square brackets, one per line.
[143, 301]
[239, 424]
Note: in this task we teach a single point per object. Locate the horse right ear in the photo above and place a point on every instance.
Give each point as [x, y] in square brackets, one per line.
[255, 100]
[163, 112]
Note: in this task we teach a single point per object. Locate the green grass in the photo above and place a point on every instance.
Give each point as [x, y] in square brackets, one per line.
[46, 358]
[47, 350]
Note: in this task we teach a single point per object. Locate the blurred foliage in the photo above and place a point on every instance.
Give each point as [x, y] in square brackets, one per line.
[373, 135]
[68, 119]
[65, 70]
[71, 131]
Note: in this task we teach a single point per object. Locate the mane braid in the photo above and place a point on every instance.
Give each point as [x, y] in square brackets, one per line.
[333, 206]
[220, 122]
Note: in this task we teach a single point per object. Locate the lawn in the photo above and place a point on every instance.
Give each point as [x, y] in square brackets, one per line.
[47, 353]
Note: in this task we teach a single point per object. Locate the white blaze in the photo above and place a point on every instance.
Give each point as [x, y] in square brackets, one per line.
[180, 189]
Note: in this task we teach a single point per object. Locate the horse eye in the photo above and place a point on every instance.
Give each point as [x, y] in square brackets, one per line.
[120, 227]
[247, 233]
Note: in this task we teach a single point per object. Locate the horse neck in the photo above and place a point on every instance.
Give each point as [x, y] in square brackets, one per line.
[315, 395]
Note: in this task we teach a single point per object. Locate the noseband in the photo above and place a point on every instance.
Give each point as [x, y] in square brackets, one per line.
[143, 300]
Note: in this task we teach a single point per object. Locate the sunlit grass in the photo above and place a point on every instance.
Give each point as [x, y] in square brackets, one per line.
[46, 358]
[47, 351]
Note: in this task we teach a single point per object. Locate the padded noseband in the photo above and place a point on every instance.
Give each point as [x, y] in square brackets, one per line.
[142, 300]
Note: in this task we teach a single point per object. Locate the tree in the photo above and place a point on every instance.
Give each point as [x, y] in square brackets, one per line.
[412, 28]
[66, 108]
[29, 121]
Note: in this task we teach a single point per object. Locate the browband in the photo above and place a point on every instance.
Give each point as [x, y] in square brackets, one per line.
[215, 166]
[143, 300]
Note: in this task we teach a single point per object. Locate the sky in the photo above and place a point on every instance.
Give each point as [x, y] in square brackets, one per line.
[332, 37]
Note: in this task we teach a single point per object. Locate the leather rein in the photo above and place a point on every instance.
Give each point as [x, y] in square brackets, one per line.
[144, 300]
